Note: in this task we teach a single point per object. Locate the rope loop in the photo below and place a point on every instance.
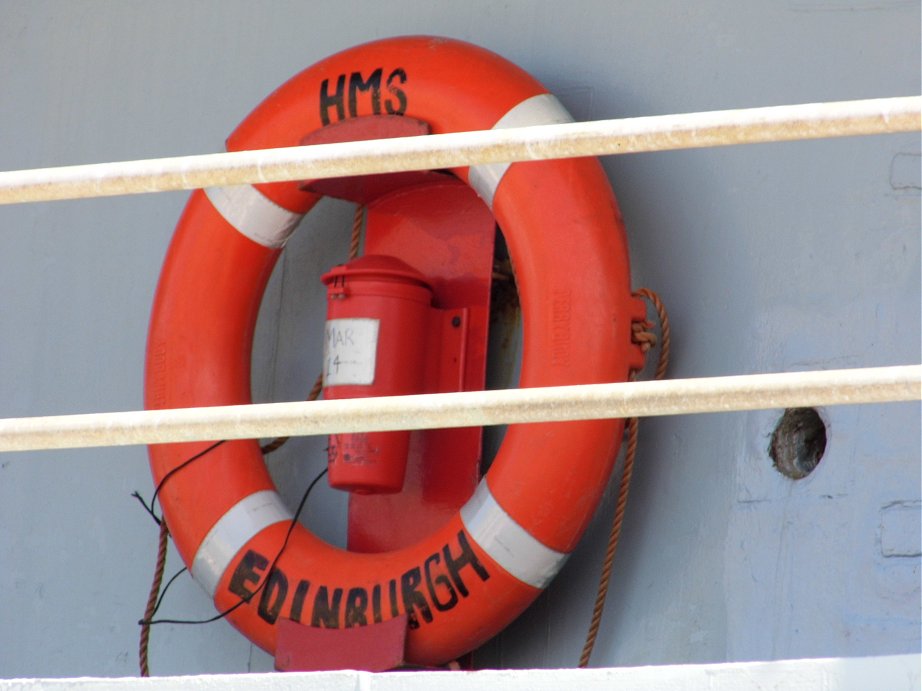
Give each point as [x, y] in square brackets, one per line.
[642, 335]
[277, 443]
[355, 239]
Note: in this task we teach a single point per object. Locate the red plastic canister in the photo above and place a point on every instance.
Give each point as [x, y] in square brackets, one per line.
[379, 317]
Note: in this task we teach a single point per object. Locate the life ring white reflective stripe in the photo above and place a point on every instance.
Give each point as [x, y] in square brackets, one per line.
[252, 214]
[543, 109]
[235, 529]
[508, 543]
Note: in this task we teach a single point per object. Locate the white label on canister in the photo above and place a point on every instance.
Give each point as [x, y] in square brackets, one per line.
[349, 350]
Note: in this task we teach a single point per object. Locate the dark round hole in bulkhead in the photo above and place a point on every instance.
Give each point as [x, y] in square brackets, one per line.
[798, 442]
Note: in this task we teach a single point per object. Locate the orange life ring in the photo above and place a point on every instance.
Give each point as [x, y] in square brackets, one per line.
[468, 580]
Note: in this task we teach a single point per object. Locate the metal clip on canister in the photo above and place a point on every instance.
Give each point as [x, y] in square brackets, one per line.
[378, 322]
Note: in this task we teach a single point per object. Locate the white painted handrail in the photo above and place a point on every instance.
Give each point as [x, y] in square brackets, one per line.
[434, 152]
[467, 409]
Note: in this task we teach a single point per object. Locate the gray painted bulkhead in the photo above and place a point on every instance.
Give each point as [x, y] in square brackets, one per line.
[776, 257]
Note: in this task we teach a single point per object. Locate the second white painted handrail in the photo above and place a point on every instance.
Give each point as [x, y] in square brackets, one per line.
[466, 409]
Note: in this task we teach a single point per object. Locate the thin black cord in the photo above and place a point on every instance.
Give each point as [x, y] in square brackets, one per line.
[167, 587]
[149, 509]
[182, 465]
[243, 600]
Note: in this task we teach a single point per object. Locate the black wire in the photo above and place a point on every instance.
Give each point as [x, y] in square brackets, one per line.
[167, 587]
[159, 519]
[219, 615]
[149, 509]
[182, 465]
[243, 600]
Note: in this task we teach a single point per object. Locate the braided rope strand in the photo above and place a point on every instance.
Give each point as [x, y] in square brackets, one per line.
[144, 642]
[354, 241]
[646, 340]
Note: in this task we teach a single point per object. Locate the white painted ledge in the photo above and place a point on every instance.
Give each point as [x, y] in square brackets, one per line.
[894, 673]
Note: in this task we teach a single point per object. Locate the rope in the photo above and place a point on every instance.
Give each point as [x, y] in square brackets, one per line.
[665, 330]
[356, 238]
[647, 340]
[354, 242]
[152, 598]
[268, 448]
[279, 442]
